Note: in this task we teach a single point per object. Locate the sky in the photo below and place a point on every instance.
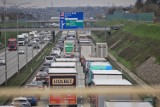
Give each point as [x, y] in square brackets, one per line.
[70, 3]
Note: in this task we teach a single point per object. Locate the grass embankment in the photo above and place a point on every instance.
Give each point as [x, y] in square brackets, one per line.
[134, 43]
[11, 34]
[26, 72]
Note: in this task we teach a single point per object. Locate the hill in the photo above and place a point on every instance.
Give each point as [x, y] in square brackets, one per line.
[137, 46]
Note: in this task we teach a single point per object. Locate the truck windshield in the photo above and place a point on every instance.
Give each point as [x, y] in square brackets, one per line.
[12, 42]
[21, 39]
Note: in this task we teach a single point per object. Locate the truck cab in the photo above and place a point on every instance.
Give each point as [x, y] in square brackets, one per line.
[12, 44]
[69, 46]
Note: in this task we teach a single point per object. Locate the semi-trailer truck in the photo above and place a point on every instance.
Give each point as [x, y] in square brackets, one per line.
[69, 48]
[101, 50]
[12, 44]
[21, 40]
[62, 77]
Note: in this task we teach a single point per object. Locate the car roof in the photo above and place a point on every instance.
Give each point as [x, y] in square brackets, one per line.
[20, 98]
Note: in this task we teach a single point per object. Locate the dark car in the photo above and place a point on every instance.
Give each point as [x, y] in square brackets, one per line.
[32, 100]
[36, 46]
[44, 69]
[115, 27]
[46, 64]
[42, 42]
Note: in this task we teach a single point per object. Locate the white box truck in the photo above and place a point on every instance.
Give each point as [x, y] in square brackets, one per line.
[21, 40]
[101, 50]
[86, 51]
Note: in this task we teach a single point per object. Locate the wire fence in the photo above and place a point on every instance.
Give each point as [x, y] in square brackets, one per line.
[120, 15]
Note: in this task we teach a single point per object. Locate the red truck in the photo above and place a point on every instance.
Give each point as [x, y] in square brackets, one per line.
[12, 44]
[62, 77]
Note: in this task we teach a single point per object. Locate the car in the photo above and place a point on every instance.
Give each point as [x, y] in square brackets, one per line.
[20, 51]
[32, 100]
[54, 49]
[115, 27]
[35, 84]
[36, 39]
[21, 102]
[49, 59]
[68, 56]
[44, 69]
[46, 64]
[42, 42]
[60, 46]
[46, 39]
[60, 40]
[2, 61]
[36, 46]
[31, 43]
[42, 76]
[55, 55]
[56, 52]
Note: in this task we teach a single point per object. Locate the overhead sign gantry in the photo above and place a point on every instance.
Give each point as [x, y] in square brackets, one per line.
[71, 20]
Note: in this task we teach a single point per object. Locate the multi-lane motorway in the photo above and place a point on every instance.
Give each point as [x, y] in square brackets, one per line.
[12, 60]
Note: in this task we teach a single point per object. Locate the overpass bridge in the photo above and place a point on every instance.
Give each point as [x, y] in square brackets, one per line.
[57, 20]
[105, 28]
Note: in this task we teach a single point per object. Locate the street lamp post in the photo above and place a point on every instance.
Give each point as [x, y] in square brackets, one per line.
[18, 5]
[28, 35]
[17, 46]
[4, 3]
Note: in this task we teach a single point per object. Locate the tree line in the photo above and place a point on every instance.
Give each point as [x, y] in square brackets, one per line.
[148, 6]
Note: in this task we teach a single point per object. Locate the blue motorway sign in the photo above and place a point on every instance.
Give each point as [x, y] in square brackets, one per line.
[71, 20]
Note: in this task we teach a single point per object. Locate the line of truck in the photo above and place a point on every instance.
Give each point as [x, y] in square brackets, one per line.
[23, 39]
[97, 70]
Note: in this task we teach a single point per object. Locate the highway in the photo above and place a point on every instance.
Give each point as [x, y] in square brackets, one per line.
[12, 61]
[44, 100]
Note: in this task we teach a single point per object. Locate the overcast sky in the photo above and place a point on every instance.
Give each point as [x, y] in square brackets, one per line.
[69, 3]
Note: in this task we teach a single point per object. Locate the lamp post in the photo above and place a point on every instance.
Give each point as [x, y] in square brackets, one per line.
[28, 35]
[4, 3]
[18, 5]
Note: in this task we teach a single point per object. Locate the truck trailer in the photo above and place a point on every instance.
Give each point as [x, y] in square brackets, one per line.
[21, 40]
[69, 46]
[102, 50]
[98, 100]
[62, 77]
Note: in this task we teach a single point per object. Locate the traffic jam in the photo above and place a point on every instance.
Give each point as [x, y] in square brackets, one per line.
[75, 61]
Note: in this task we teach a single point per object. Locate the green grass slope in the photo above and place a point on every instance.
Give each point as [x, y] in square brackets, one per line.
[134, 43]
